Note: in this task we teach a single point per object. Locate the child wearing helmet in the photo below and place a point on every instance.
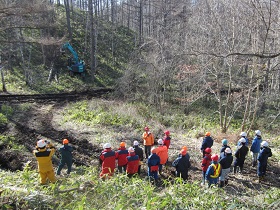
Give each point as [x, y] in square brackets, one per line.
[243, 135]
[66, 157]
[43, 153]
[138, 151]
[225, 145]
[206, 143]
[225, 162]
[214, 171]
[167, 139]
[182, 164]
[148, 139]
[162, 152]
[153, 164]
[255, 147]
[240, 155]
[122, 153]
[108, 159]
[132, 162]
[265, 153]
[205, 163]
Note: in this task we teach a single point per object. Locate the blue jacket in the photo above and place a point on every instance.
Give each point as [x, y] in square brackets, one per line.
[256, 144]
[153, 160]
[265, 153]
[66, 152]
[182, 163]
[226, 161]
[207, 142]
[222, 151]
[210, 171]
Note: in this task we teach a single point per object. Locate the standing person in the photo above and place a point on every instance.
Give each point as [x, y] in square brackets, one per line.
[132, 162]
[205, 163]
[122, 153]
[225, 162]
[43, 153]
[256, 146]
[206, 143]
[153, 164]
[138, 151]
[182, 164]
[162, 152]
[149, 140]
[214, 171]
[225, 145]
[265, 153]
[167, 139]
[240, 155]
[66, 157]
[243, 135]
[108, 161]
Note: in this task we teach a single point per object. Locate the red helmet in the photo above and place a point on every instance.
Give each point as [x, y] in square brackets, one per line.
[167, 133]
[208, 150]
[215, 157]
[146, 128]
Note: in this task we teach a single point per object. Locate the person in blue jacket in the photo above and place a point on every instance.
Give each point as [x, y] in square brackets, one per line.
[182, 164]
[206, 143]
[66, 157]
[243, 135]
[153, 164]
[265, 153]
[214, 171]
[225, 162]
[225, 145]
[255, 148]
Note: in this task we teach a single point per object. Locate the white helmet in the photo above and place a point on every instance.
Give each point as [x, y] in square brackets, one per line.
[243, 134]
[135, 143]
[41, 143]
[160, 142]
[107, 146]
[264, 144]
[258, 132]
[227, 150]
[242, 140]
[130, 149]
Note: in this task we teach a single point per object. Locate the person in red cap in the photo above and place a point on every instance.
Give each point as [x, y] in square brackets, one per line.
[149, 140]
[182, 164]
[66, 157]
[108, 161]
[122, 153]
[214, 171]
[166, 139]
[132, 162]
[205, 163]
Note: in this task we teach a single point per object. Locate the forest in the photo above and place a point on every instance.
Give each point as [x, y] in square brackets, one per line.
[189, 66]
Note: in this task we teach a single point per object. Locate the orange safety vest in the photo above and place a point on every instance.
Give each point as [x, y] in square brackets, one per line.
[217, 170]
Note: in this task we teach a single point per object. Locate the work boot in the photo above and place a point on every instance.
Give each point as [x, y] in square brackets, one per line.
[234, 169]
[226, 182]
[222, 184]
[241, 170]
[254, 163]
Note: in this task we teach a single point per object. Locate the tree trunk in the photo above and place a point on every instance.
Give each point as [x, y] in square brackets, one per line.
[4, 89]
[67, 10]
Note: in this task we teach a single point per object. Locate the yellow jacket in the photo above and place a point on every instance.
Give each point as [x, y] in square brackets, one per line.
[148, 139]
[44, 158]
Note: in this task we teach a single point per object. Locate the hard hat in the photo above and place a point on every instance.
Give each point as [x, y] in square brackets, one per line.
[65, 141]
[225, 141]
[167, 133]
[185, 148]
[160, 142]
[153, 150]
[107, 146]
[130, 149]
[135, 143]
[258, 132]
[122, 144]
[227, 150]
[207, 134]
[146, 128]
[208, 150]
[243, 134]
[264, 144]
[41, 143]
[183, 151]
[242, 140]
[215, 157]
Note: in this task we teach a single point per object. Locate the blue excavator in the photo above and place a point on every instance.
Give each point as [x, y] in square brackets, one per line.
[74, 64]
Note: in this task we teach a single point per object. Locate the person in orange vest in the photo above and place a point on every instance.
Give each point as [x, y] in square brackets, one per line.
[108, 161]
[162, 152]
[122, 153]
[166, 139]
[43, 153]
[148, 139]
[133, 162]
[214, 171]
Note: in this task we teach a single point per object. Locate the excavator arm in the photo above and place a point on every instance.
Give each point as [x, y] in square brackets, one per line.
[68, 46]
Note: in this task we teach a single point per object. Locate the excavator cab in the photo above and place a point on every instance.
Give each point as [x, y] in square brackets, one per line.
[74, 64]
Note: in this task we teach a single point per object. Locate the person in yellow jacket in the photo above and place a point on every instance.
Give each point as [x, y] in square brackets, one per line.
[43, 153]
[148, 139]
[162, 152]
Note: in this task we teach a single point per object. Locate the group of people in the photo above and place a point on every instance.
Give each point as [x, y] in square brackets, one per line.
[215, 168]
